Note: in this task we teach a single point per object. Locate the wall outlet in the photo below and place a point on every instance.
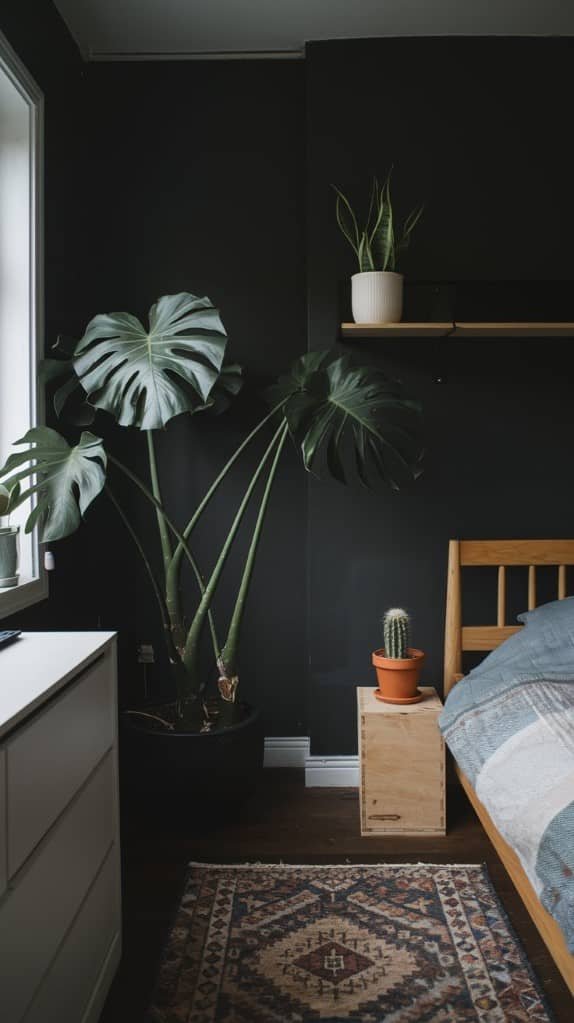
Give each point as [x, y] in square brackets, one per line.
[146, 654]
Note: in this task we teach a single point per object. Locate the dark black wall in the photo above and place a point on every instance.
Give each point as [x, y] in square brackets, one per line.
[476, 128]
[41, 39]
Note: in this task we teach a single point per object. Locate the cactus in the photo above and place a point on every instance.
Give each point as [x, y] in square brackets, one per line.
[396, 631]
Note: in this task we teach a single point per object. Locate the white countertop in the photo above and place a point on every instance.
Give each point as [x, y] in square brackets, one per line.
[38, 664]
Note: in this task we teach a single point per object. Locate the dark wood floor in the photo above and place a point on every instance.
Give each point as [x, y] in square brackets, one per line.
[287, 822]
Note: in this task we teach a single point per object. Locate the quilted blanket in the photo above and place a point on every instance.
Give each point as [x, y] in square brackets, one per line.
[513, 736]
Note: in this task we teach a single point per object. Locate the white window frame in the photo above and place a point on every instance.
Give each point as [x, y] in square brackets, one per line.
[33, 584]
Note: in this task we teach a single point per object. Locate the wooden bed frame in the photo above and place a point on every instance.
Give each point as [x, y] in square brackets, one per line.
[458, 638]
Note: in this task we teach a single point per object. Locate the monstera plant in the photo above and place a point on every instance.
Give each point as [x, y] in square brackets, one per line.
[347, 421]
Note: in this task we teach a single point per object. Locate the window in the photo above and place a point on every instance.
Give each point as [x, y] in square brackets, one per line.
[21, 290]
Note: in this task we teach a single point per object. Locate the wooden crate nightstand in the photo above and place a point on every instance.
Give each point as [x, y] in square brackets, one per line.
[401, 754]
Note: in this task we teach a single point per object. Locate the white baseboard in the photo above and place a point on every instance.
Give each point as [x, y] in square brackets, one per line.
[332, 771]
[286, 751]
[294, 751]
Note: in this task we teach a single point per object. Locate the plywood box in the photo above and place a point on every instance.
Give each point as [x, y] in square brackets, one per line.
[401, 754]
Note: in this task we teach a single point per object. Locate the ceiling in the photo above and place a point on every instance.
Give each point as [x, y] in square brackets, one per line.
[172, 29]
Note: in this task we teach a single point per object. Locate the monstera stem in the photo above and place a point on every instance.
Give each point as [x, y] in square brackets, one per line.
[172, 582]
[227, 663]
[179, 537]
[173, 605]
[172, 652]
[191, 650]
[156, 490]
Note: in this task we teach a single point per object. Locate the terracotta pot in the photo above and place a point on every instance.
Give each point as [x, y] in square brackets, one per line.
[398, 677]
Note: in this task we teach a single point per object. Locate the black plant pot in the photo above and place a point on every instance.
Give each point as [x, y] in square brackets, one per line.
[189, 772]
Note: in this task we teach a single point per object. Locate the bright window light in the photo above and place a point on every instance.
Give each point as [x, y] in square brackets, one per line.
[21, 295]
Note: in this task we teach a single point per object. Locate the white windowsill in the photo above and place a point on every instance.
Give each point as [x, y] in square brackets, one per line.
[27, 592]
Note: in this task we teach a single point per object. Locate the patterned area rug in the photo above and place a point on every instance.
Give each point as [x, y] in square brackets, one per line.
[399, 943]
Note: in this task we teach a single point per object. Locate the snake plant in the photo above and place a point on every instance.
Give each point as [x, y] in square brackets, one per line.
[349, 422]
[378, 244]
[8, 499]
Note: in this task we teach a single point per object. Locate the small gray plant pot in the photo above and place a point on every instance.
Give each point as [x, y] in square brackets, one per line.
[9, 556]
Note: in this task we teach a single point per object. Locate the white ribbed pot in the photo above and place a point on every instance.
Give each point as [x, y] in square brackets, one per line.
[9, 556]
[377, 297]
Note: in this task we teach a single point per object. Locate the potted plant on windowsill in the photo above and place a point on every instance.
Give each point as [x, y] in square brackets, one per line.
[377, 288]
[203, 743]
[9, 536]
[398, 665]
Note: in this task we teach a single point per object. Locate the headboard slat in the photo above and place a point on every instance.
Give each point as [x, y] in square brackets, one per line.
[516, 552]
[531, 587]
[561, 582]
[501, 609]
[486, 637]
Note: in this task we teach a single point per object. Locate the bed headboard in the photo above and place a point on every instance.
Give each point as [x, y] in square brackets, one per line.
[502, 553]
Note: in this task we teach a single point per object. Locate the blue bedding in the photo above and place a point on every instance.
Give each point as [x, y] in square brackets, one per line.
[510, 726]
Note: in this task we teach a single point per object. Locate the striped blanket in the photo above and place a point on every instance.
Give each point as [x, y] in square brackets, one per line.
[513, 736]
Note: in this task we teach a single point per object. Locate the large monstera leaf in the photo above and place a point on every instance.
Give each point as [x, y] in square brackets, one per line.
[65, 479]
[69, 398]
[351, 421]
[146, 377]
[226, 388]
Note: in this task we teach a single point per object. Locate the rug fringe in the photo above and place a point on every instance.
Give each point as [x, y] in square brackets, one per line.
[259, 865]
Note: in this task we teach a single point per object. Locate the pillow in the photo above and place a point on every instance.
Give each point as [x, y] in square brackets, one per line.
[543, 649]
[557, 612]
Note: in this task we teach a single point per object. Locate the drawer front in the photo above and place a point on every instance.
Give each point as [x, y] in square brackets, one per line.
[50, 758]
[402, 777]
[3, 832]
[36, 914]
[65, 991]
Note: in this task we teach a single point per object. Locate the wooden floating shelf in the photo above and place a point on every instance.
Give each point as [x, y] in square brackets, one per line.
[547, 329]
[458, 329]
[359, 330]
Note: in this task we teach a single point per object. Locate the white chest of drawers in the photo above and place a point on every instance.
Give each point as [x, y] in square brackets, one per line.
[60, 905]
